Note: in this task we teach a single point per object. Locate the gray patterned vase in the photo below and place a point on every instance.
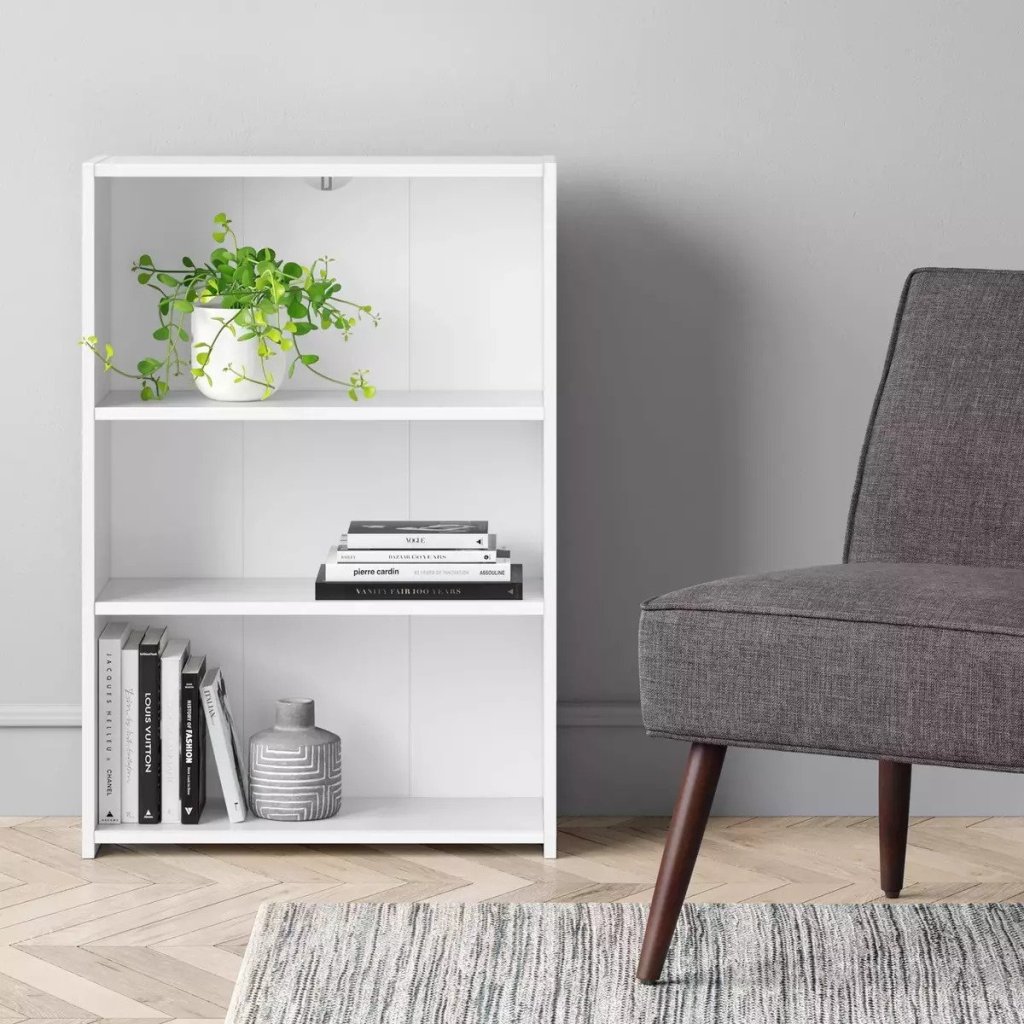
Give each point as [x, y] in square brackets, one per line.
[295, 768]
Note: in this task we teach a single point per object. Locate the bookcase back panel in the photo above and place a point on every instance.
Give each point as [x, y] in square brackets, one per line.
[267, 499]
[454, 267]
[449, 708]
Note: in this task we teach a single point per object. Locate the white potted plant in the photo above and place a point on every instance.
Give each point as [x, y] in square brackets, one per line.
[245, 314]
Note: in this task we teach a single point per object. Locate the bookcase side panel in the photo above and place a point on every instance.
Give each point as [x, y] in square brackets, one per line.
[477, 710]
[357, 672]
[304, 482]
[363, 225]
[489, 471]
[177, 499]
[476, 284]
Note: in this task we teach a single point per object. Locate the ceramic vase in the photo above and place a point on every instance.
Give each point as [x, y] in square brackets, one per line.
[228, 357]
[295, 768]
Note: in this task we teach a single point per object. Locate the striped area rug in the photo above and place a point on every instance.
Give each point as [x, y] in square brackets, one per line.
[573, 963]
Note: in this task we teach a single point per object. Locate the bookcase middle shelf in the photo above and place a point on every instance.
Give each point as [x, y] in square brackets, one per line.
[245, 596]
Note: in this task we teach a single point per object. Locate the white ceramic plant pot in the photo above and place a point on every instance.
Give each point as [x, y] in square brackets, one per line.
[229, 358]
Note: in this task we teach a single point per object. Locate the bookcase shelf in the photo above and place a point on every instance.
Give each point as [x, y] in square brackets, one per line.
[247, 596]
[361, 820]
[297, 405]
[213, 518]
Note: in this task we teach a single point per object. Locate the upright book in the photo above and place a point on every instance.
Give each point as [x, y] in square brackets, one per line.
[418, 533]
[150, 651]
[172, 662]
[325, 590]
[111, 641]
[224, 743]
[192, 784]
[130, 727]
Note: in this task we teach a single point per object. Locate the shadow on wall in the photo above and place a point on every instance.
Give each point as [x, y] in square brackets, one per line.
[651, 408]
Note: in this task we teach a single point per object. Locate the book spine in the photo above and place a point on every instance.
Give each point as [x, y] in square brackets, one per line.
[110, 731]
[328, 591]
[419, 541]
[370, 556]
[400, 572]
[223, 755]
[193, 753]
[149, 737]
[170, 729]
[130, 736]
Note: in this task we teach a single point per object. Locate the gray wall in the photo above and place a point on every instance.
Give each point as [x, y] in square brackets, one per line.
[743, 188]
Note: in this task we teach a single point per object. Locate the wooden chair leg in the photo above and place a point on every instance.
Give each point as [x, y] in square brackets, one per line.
[893, 818]
[685, 832]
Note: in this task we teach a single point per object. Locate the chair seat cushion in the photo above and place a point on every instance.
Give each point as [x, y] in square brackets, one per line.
[921, 663]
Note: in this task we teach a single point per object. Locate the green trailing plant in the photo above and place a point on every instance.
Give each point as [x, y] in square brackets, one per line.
[265, 299]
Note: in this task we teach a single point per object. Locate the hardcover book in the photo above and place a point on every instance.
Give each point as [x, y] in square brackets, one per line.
[418, 533]
[224, 742]
[340, 554]
[416, 572]
[171, 663]
[111, 641]
[192, 783]
[150, 651]
[130, 727]
[473, 591]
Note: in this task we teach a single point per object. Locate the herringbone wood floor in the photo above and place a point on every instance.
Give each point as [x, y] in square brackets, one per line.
[157, 933]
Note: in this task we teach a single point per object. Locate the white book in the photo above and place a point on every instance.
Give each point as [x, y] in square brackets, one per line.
[130, 727]
[340, 554]
[436, 572]
[111, 641]
[419, 534]
[224, 742]
[172, 661]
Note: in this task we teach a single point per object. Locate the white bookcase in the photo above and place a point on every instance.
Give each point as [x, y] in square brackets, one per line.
[213, 518]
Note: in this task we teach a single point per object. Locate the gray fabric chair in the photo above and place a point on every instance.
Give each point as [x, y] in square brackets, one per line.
[909, 652]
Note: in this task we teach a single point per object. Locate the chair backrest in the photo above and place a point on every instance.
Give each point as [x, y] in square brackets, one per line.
[941, 476]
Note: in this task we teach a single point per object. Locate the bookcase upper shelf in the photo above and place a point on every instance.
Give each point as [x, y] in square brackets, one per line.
[287, 404]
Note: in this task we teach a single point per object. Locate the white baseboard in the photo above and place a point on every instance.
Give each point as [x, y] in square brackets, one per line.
[40, 716]
[571, 714]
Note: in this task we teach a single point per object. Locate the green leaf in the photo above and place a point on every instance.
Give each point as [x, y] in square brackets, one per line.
[219, 236]
[309, 359]
[108, 351]
[290, 326]
[183, 305]
[220, 218]
[147, 393]
[202, 358]
[267, 392]
[171, 282]
[369, 391]
[148, 366]
[291, 368]
[187, 262]
[161, 388]
[145, 260]
[162, 333]
[353, 394]
[182, 334]
[303, 328]
[198, 373]
[291, 270]
[144, 278]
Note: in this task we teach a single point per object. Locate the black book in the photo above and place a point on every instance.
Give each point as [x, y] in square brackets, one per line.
[511, 590]
[152, 646]
[192, 779]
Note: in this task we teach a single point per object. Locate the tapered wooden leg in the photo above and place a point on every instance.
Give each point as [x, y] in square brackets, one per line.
[689, 819]
[893, 818]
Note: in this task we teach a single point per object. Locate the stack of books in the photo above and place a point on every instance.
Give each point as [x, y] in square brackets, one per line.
[159, 706]
[419, 560]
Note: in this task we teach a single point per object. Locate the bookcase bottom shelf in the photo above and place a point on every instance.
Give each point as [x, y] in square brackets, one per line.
[361, 820]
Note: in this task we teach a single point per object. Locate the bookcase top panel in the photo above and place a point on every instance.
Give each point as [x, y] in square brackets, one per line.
[319, 166]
